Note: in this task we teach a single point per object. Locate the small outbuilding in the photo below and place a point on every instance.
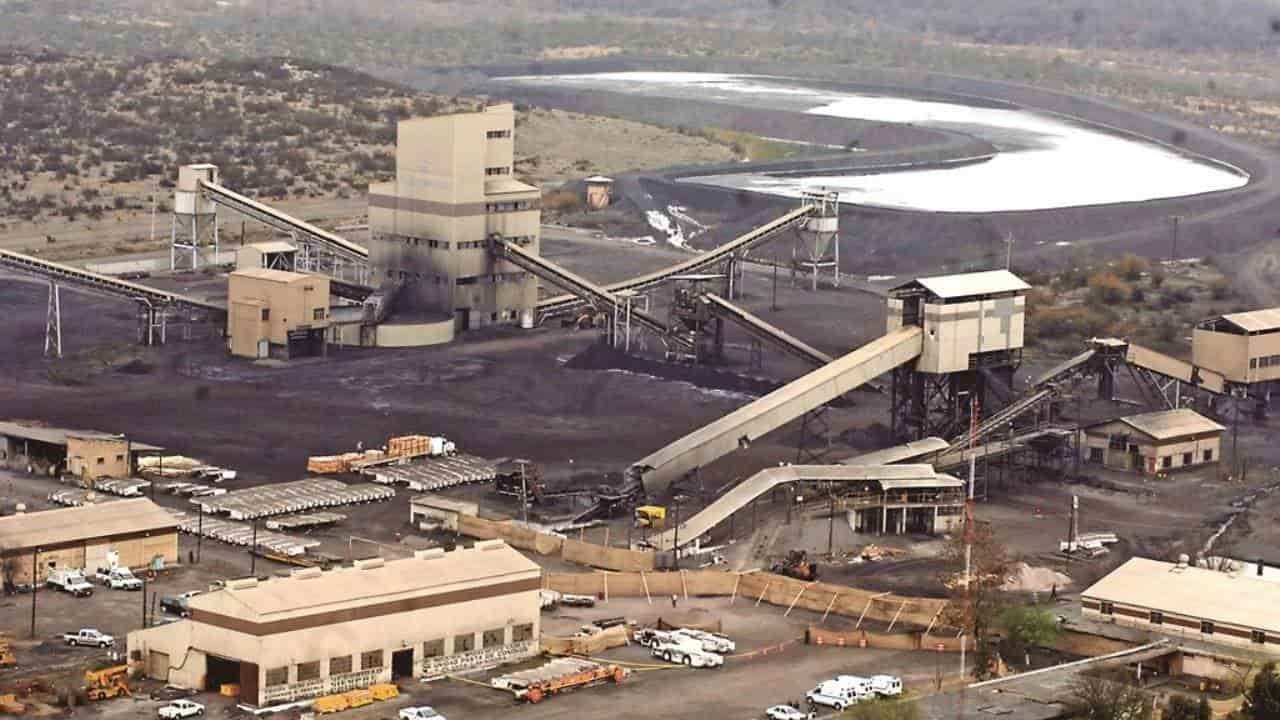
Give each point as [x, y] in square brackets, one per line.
[1189, 602]
[86, 454]
[1155, 442]
[138, 532]
[275, 313]
[427, 512]
[599, 192]
[319, 632]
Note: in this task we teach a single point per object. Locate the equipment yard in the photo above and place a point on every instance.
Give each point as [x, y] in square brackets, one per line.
[856, 421]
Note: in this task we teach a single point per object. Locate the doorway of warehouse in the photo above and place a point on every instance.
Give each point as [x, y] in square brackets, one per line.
[402, 663]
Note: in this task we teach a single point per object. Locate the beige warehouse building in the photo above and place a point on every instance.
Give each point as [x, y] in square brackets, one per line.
[1244, 347]
[454, 189]
[317, 633]
[85, 454]
[1190, 602]
[80, 538]
[275, 313]
[1155, 442]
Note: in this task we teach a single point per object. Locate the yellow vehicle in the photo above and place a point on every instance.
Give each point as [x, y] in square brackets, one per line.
[651, 516]
[384, 691]
[106, 682]
[358, 698]
[330, 704]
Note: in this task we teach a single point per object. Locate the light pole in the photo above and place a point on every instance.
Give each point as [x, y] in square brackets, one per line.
[35, 587]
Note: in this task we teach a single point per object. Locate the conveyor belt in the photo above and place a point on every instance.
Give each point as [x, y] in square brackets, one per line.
[578, 285]
[770, 478]
[1171, 367]
[349, 290]
[709, 443]
[764, 331]
[281, 220]
[1005, 416]
[104, 284]
[694, 264]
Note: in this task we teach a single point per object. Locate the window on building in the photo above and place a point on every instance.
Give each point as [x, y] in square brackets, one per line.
[1157, 617]
[522, 632]
[433, 648]
[119, 458]
[340, 665]
[497, 171]
[1208, 456]
[1257, 637]
[277, 676]
[1166, 462]
[1106, 608]
[1118, 442]
[371, 659]
[464, 643]
[1095, 455]
[266, 314]
[495, 134]
[1206, 627]
[101, 460]
[1187, 458]
[309, 671]
[318, 314]
[494, 638]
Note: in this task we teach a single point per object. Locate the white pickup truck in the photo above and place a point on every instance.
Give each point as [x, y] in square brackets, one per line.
[118, 578]
[180, 709]
[88, 637]
[69, 581]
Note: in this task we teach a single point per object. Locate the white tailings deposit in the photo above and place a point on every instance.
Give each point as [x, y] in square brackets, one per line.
[1043, 160]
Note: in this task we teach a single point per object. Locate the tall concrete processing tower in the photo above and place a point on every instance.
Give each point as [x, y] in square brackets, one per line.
[429, 228]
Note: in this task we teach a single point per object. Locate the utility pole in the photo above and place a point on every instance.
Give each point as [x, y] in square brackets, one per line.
[974, 410]
[831, 522]
[1008, 251]
[199, 530]
[253, 549]
[35, 588]
[675, 545]
[524, 495]
[774, 304]
[1174, 254]
[144, 601]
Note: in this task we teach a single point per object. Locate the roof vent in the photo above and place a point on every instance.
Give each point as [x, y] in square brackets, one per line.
[306, 572]
[489, 544]
[429, 553]
[242, 583]
[369, 563]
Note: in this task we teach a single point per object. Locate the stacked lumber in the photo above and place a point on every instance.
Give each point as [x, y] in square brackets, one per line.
[332, 464]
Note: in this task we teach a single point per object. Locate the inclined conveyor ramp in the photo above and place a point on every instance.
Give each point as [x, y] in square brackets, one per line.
[739, 428]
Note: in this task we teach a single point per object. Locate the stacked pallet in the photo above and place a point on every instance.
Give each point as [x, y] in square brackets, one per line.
[234, 533]
[124, 487]
[333, 464]
[435, 473]
[292, 497]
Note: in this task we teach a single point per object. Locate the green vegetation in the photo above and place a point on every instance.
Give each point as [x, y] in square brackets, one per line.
[1201, 60]
[1182, 707]
[747, 146]
[1027, 627]
[883, 709]
[1262, 700]
[1097, 698]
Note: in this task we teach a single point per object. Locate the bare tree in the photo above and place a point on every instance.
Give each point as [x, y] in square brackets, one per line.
[1097, 698]
[975, 606]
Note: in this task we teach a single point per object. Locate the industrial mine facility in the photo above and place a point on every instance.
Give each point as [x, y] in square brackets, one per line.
[454, 460]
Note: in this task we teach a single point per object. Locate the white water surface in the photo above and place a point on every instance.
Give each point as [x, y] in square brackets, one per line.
[1043, 160]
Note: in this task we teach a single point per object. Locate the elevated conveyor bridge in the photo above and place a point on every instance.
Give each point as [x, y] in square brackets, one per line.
[765, 332]
[104, 284]
[698, 263]
[739, 428]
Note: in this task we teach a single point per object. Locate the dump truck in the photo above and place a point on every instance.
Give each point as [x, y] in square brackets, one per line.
[107, 682]
[559, 675]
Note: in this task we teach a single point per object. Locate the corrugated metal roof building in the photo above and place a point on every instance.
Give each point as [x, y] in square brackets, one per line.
[967, 319]
[1208, 605]
[1154, 443]
[1244, 347]
[317, 633]
[139, 531]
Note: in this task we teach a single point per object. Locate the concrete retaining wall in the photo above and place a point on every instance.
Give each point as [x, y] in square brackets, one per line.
[911, 640]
